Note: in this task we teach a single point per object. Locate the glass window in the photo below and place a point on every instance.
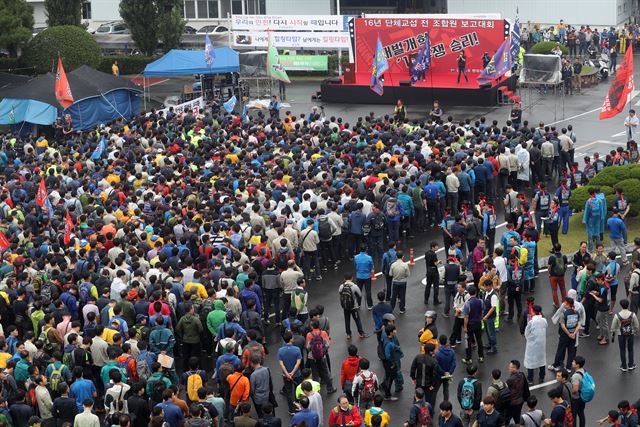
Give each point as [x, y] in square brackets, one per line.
[213, 9]
[203, 13]
[189, 9]
[236, 7]
[86, 10]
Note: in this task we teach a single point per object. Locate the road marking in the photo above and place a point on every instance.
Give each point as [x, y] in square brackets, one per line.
[575, 117]
[542, 385]
[619, 133]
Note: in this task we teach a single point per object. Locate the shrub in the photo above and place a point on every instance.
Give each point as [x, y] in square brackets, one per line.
[631, 188]
[611, 176]
[128, 64]
[74, 44]
[545, 48]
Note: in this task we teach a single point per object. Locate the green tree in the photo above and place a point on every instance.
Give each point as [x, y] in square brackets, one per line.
[16, 21]
[170, 23]
[141, 18]
[75, 46]
[63, 12]
[152, 22]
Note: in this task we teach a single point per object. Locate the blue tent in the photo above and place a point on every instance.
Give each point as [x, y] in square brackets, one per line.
[184, 62]
[99, 98]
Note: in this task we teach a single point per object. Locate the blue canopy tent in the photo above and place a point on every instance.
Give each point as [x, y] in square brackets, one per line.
[184, 62]
[99, 98]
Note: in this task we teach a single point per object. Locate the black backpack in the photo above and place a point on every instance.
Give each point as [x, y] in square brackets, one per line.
[156, 390]
[324, 228]
[346, 297]
[504, 397]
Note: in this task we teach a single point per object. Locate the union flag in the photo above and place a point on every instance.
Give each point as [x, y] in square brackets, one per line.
[63, 90]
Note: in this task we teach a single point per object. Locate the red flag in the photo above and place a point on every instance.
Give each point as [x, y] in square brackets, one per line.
[4, 243]
[68, 226]
[9, 200]
[41, 195]
[63, 90]
[620, 89]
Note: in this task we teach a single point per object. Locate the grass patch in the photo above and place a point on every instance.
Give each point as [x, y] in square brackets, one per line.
[578, 232]
[586, 69]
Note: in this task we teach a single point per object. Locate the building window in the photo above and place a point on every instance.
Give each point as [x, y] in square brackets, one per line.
[213, 9]
[86, 10]
[190, 9]
[236, 7]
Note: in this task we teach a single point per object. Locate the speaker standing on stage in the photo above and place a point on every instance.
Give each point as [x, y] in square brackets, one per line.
[462, 66]
[400, 111]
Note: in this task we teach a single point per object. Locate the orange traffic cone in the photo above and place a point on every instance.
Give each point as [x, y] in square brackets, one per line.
[412, 261]
[373, 276]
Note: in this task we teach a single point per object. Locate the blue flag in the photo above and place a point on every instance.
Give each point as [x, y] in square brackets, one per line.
[499, 64]
[379, 67]
[209, 54]
[100, 148]
[49, 207]
[230, 104]
[515, 42]
[245, 117]
[422, 62]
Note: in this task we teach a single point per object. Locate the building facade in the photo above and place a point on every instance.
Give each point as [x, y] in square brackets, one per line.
[596, 13]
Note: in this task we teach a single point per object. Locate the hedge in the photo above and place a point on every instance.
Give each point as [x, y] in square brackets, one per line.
[74, 44]
[579, 196]
[612, 175]
[545, 48]
[128, 64]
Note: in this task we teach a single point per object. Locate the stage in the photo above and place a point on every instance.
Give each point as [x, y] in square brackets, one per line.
[443, 87]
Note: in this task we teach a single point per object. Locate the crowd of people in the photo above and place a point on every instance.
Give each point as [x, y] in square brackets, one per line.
[147, 264]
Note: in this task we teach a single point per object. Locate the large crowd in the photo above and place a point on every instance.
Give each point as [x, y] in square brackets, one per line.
[144, 264]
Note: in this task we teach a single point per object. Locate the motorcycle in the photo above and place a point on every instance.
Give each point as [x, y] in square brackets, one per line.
[603, 66]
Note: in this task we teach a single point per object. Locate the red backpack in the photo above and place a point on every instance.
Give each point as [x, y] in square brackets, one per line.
[424, 416]
[568, 415]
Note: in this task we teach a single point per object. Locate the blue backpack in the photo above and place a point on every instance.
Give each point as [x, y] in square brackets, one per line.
[468, 393]
[587, 388]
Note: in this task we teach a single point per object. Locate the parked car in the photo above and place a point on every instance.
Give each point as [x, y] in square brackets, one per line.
[116, 27]
[210, 29]
[38, 30]
[189, 30]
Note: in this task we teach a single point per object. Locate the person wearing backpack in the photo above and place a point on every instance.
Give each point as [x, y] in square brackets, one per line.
[350, 297]
[625, 324]
[421, 412]
[425, 372]
[500, 392]
[375, 240]
[519, 388]
[326, 228]
[376, 409]
[469, 396]
[57, 373]
[317, 345]
[193, 379]
[561, 415]
[557, 265]
[582, 390]
[364, 386]
[344, 414]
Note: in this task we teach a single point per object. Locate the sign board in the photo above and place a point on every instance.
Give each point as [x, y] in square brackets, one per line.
[289, 22]
[196, 105]
[305, 62]
[292, 39]
[402, 38]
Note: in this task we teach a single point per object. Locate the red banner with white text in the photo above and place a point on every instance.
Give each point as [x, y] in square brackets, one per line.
[402, 39]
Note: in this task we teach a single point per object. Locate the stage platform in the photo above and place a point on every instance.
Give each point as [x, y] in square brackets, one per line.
[443, 87]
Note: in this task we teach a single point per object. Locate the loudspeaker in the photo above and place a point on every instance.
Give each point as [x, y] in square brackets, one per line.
[334, 80]
[405, 82]
[349, 73]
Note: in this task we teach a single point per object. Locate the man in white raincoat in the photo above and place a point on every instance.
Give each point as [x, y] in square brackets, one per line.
[535, 352]
[524, 166]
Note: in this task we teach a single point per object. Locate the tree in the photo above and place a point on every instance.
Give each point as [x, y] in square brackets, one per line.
[16, 21]
[63, 12]
[75, 46]
[141, 18]
[170, 23]
[153, 21]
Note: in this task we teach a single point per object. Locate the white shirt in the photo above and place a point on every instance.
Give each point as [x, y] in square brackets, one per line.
[501, 267]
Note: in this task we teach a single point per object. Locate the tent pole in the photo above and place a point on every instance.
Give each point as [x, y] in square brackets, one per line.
[144, 92]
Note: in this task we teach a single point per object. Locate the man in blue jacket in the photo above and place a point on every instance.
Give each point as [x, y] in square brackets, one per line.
[305, 415]
[446, 358]
[364, 268]
[617, 231]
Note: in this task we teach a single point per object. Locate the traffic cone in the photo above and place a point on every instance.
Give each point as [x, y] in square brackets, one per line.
[373, 276]
[412, 261]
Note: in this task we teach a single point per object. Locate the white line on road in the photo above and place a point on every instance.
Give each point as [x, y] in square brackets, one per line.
[541, 385]
[574, 117]
[618, 134]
